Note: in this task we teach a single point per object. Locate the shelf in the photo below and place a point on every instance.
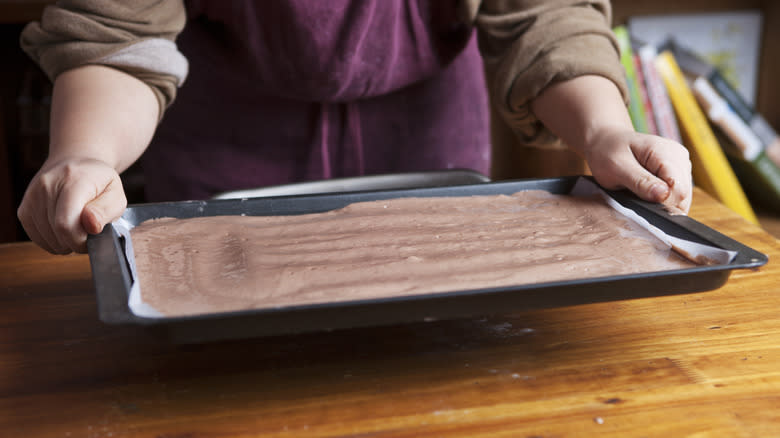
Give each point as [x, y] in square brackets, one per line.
[768, 87]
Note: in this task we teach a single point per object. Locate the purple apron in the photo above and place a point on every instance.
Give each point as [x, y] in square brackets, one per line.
[295, 90]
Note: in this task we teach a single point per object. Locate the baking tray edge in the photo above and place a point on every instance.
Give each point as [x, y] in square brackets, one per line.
[112, 278]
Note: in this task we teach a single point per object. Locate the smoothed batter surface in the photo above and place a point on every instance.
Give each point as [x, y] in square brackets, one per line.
[387, 248]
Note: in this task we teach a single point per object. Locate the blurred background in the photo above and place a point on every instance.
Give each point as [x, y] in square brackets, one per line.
[25, 101]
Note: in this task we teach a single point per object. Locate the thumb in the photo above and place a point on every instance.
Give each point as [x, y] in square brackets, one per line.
[653, 189]
[106, 207]
[630, 174]
[648, 186]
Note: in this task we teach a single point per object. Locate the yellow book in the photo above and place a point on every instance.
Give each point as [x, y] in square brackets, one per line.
[711, 169]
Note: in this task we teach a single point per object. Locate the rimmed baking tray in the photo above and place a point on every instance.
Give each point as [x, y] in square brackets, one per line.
[113, 278]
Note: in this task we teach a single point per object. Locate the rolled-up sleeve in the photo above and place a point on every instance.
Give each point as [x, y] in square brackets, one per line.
[134, 36]
[529, 45]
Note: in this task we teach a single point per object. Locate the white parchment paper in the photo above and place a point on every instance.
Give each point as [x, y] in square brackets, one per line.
[135, 302]
[695, 252]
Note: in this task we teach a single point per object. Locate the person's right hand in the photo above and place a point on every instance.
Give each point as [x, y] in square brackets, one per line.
[68, 199]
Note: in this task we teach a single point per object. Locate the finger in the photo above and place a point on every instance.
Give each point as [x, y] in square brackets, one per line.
[33, 215]
[55, 227]
[35, 219]
[628, 173]
[47, 235]
[32, 230]
[648, 186]
[681, 194]
[670, 162]
[106, 208]
[68, 208]
[682, 180]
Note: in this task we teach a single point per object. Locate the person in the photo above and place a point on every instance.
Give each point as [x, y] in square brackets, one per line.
[292, 90]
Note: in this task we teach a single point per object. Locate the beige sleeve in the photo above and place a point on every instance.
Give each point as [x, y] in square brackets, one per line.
[529, 44]
[135, 36]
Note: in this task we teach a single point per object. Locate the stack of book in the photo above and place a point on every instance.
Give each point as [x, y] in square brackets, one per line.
[675, 93]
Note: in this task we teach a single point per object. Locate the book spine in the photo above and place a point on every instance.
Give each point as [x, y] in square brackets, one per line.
[711, 169]
[771, 174]
[731, 95]
[635, 105]
[647, 105]
[666, 123]
[760, 177]
[770, 140]
[722, 115]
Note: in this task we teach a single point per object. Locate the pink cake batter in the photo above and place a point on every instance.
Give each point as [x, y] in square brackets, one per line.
[388, 248]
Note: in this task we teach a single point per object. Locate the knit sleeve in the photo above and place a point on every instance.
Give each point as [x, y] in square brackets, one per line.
[134, 36]
[528, 45]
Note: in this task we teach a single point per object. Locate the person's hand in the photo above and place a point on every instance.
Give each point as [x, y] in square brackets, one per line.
[655, 168]
[68, 199]
[588, 113]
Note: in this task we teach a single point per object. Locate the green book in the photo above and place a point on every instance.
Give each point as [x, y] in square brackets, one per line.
[635, 104]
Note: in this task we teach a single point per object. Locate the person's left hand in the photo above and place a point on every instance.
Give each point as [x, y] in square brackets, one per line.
[655, 168]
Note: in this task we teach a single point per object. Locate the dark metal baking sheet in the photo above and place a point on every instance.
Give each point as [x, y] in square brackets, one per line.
[112, 277]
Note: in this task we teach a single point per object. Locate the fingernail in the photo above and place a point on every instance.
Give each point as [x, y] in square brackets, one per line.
[659, 191]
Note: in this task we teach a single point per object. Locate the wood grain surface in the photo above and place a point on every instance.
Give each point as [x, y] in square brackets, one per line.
[704, 364]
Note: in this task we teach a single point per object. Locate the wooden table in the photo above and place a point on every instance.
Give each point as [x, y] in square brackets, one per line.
[705, 364]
